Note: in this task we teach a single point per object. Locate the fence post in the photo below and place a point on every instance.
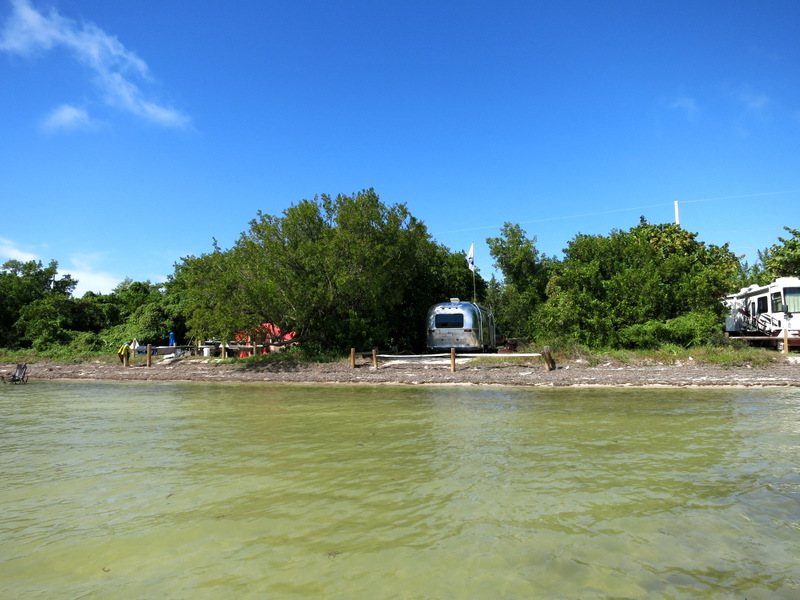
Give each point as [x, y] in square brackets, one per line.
[149, 358]
[549, 363]
[375, 358]
[786, 340]
[352, 358]
[452, 360]
[222, 350]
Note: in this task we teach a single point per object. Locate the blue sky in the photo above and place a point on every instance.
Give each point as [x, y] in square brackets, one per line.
[133, 133]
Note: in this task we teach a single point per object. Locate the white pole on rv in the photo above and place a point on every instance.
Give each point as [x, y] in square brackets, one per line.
[677, 216]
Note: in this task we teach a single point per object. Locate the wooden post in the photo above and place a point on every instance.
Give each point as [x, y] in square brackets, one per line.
[222, 350]
[149, 357]
[375, 358]
[549, 363]
[125, 357]
[452, 360]
[786, 341]
[352, 358]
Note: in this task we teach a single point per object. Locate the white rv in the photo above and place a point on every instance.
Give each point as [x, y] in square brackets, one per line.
[766, 311]
[465, 326]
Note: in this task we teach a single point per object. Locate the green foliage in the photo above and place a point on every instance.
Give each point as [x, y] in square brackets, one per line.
[344, 272]
[21, 284]
[526, 273]
[690, 329]
[149, 324]
[783, 260]
[652, 285]
[350, 271]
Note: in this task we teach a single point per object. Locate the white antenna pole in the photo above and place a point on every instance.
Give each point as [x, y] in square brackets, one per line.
[677, 216]
[474, 293]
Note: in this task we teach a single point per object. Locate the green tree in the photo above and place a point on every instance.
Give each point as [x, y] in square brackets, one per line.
[653, 284]
[22, 283]
[57, 319]
[345, 272]
[145, 312]
[525, 275]
[783, 260]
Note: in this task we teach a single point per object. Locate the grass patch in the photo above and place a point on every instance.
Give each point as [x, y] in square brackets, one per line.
[57, 354]
[732, 356]
[290, 355]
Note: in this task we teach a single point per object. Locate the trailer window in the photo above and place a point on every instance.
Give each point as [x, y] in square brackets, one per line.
[762, 304]
[450, 321]
[792, 299]
[777, 302]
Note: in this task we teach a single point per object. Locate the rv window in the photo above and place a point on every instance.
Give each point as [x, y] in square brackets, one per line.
[777, 303]
[450, 321]
[792, 299]
[762, 305]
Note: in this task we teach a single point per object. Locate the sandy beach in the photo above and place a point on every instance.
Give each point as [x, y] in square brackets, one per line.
[429, 371]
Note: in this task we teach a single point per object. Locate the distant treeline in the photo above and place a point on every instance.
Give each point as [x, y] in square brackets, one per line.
[350, 272]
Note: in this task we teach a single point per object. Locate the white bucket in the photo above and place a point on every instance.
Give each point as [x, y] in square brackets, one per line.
[206, 351]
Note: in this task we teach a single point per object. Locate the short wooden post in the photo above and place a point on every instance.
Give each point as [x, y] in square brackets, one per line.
[786, 341]
[222, 350]
[549, 363]
[375, 358]
[149, 357]
[352, 358]
[125, 358]
[452, 360]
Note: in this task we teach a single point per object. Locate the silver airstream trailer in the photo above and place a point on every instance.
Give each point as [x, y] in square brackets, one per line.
[766, 310]
[465, 326]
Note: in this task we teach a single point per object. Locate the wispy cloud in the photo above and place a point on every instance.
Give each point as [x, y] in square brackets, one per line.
[86, 269]
[10, 251]
[83, 268]
[686, 105]
[116, 70]
[66, 118]
[754, 102]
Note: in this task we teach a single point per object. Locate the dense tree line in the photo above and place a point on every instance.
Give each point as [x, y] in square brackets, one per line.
[645, 287]
[341, 272]
[349, 271]
[38, 311]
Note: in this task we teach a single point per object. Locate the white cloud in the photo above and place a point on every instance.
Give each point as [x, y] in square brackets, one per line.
[88, 277]
[66, 118]
[91, 281]
[686, 105]
[114, 68]
[753, 101]
[9, 251]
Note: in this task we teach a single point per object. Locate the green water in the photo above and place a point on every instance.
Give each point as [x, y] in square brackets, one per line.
[253, 491]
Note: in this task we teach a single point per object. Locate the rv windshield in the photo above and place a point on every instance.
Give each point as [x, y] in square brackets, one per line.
[450, 321]
[792, 296]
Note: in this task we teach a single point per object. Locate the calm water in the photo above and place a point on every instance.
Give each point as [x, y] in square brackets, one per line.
[242, 491]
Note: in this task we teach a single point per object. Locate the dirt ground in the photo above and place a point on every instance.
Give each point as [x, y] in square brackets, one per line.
[428, 371]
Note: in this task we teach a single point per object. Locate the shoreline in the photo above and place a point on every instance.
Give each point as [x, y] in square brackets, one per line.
[429, 373]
